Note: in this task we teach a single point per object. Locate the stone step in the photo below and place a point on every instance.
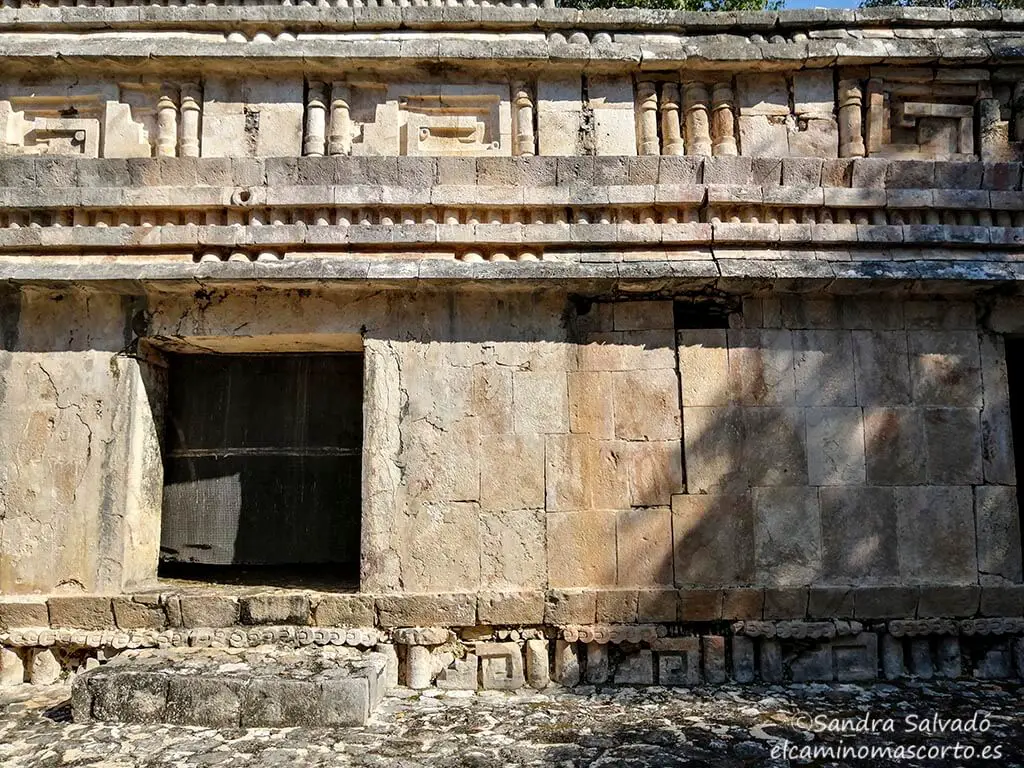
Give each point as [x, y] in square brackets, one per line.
[245, 687]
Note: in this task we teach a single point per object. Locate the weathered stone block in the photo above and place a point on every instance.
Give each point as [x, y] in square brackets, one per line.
[743, 659]
[680, 668]
[885, 602]
[656, 605]
[998, 529]
[813, 665]
[713, 658]
[655, 472]
[142, 612]
[616, 606]
[945, 601]
[512, 472]
[945, 368]
[770, 661]
[996, 663]
[830, 603]
[344, 611]
[761, 366]
[714, 441]
[209, 702]
[835, 446]
[343, 701]
[136, 698]
[949, 660]
[856, 658]
[433, 560]
[858, 535]
[567, 663]
[510, 608]
[704, 367]
[23, 612]
[597, 663]
[788, 603]
[643, 316]
[278, 703]
[787, 535]
[463, 674]
[700, 604]
[81, 612]
[823, 366]
[659, 418]
[643, 539]
[882, 368]
[512, 549]
[581, 549]
[541, 402]
[417, 610]
[537, 663]
[563, 606]
[935, 530]
[743, 603]
[713, 538]
[591, 403]
[892, 657]
[893, 439]
[764, 136]
[273, 608]
[636, 669]
[996, 428]
[582, 473]
[12, 667]
[1004, 600]
[208, 611]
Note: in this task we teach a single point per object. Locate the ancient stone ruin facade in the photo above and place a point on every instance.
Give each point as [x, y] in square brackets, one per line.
[519, 344]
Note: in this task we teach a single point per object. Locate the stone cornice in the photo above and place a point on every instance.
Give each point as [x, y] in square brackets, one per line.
[475, 35]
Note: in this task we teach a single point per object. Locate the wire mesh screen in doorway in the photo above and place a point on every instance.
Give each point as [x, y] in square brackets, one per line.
[262, 459]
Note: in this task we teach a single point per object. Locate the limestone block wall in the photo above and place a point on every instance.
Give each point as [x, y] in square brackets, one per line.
[852, 441]
[529, 440]
[80, 470]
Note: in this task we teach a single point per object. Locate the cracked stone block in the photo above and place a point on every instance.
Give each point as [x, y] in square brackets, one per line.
[275, 609]
[81, 612]
[636, 669]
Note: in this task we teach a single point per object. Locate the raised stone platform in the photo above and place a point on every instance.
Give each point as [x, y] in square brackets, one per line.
[219, 688]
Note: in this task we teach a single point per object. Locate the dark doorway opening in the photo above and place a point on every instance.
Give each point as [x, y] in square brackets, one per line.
[1015, 382]
[262, 467]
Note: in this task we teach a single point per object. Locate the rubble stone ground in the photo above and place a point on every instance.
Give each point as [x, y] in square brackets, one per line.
[721, 726]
